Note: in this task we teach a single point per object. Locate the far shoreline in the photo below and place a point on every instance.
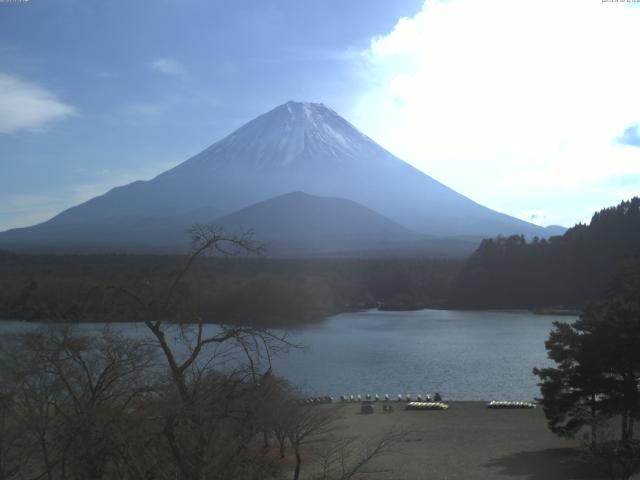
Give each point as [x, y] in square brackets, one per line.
[554, 310]
[314, 320]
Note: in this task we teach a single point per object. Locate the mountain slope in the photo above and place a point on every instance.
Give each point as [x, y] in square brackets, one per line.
[295, 147]
[298, 223]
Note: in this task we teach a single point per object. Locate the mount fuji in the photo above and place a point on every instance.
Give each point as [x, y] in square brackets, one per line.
[296, 147]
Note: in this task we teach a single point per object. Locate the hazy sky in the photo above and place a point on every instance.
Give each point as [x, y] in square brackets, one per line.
[528, 107]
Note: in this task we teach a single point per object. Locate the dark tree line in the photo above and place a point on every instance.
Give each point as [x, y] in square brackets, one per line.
[568, 271]
[252, 291]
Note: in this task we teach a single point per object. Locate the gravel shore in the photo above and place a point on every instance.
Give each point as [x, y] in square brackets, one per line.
[469, 441]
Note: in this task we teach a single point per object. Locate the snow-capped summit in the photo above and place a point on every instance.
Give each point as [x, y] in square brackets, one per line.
[296, 147]
[292, 133]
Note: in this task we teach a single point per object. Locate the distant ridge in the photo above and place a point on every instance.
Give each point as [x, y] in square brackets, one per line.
[301, 224]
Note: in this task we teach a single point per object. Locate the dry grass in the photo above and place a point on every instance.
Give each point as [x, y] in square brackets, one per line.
[469, 441]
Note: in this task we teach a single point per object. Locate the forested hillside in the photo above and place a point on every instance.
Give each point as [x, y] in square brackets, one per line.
[567, 271]
[236, 290]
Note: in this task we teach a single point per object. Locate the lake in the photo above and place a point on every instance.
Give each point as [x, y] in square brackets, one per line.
[464, 355]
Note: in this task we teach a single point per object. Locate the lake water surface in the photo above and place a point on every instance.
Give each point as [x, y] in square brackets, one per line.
[464, 355]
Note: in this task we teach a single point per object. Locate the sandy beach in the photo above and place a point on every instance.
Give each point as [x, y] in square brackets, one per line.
[470, 441]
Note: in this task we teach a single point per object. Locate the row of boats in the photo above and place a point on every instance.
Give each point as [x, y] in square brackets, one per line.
[387, 398]
[316, 400]
[426, 406]
[510, 404]
[419, 402]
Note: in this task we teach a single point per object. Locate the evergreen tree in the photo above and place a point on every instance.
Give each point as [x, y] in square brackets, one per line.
[570, 271]
[573, 393]
[598, 370]
[597, 379]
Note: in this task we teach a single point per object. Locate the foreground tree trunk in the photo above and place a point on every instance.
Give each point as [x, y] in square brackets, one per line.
[296, 472]
[594, 423]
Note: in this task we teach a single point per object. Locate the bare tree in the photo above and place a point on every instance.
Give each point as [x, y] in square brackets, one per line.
[314, 430]
[10, 436]
[68, 393]
[214, 371]
[343, 458]
[307, 424]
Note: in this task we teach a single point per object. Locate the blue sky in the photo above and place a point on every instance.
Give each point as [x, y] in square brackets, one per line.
[531, 108]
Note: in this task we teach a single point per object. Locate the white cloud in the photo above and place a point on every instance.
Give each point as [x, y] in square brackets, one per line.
[27, 106]
[512, 102]
[539, 217]
[168, 66]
